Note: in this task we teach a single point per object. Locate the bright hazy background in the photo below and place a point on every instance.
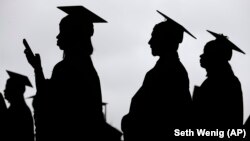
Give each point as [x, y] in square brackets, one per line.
[121, 53]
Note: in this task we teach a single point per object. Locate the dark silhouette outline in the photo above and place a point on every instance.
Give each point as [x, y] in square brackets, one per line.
[163, 102]
[18, 119]
[247, 127]
[68, 106]
[218, 102]
[3, 112]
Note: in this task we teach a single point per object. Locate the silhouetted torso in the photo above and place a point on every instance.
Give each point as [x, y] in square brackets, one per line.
[218, 101]
[72, 101]
[161, 104]
[20, 123]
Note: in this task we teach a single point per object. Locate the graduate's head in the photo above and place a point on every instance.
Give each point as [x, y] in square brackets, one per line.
[77, 28]
[15, 86]
[166, 36]
[218, 51]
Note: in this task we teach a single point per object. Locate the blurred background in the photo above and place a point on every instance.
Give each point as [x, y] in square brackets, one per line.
[121, 52]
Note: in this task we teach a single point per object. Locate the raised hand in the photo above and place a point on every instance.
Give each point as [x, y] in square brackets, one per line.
[34, 61]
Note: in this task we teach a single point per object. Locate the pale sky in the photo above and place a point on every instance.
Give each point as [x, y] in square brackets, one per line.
[121, 52]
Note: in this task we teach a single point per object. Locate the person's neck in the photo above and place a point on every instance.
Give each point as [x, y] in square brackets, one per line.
[169, 55]
[72, 55]
[219, 69]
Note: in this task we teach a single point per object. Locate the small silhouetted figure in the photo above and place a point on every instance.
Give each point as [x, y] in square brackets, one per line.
[247, 127]
[163, 101]
[18, 117]
[68, 106]
[218, 102]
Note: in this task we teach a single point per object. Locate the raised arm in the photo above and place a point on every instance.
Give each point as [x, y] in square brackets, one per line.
[35, 62]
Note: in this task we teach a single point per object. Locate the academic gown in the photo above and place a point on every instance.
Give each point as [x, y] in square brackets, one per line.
[161, 104]
[19, 123]
[218, 102]
[69, 106]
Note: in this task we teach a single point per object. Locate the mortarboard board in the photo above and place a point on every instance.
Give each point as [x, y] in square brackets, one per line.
[226, 41]
[82, 12]
[175, 23]
[19, 78]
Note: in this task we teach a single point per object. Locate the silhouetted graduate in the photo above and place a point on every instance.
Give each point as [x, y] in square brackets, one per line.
[68, 106]
[18, 118]
[163, 101]
[218, 101]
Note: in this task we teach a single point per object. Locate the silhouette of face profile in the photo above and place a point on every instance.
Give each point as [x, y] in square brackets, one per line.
[76, 29]
[13, 90]
[15, 86]
[215, 53]
[165, 38]
[74, 33]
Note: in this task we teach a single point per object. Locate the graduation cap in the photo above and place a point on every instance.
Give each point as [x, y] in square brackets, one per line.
[177, 24]
[21, 79]
[82, 13]
[225, 40]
